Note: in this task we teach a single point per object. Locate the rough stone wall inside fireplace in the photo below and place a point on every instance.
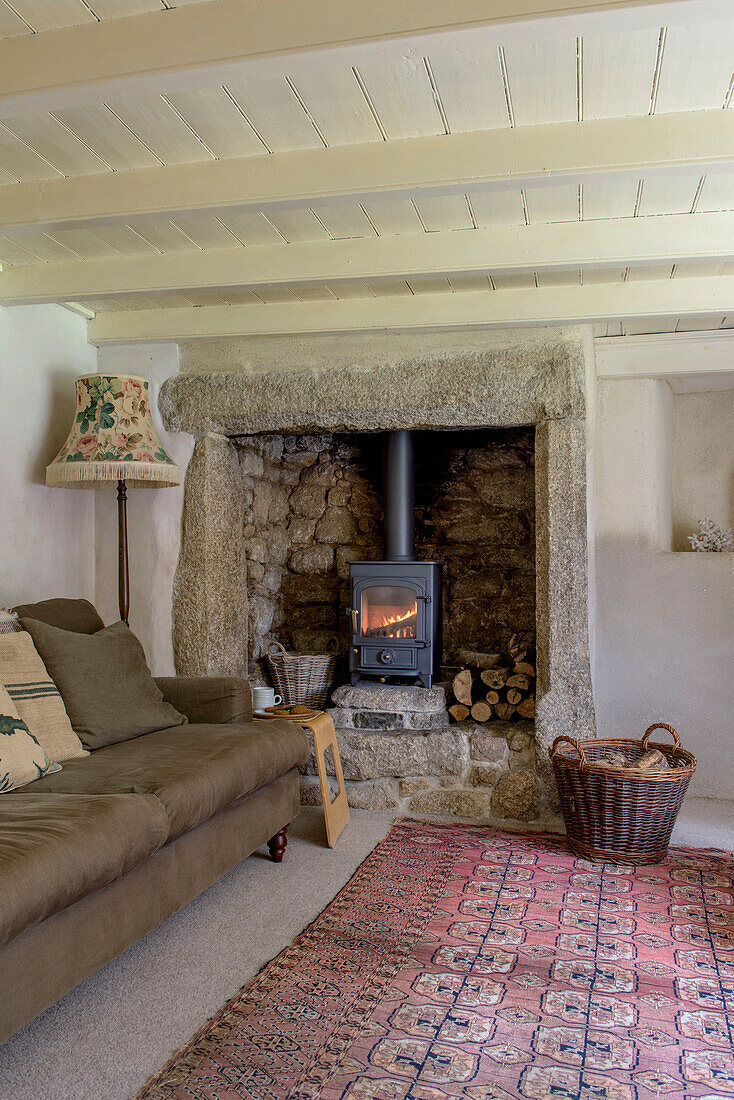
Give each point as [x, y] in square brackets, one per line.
[313, 503]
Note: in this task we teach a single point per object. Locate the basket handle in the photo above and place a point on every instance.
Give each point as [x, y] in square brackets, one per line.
[574, 744]
[283, 650]
[660, 726]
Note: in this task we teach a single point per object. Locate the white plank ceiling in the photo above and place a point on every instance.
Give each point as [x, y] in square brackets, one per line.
[623, 70]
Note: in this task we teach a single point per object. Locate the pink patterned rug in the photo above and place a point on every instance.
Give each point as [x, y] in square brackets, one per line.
[464, 962]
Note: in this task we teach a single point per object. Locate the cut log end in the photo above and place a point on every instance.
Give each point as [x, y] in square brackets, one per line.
[462, 686]
[481, 711]
[459, 712]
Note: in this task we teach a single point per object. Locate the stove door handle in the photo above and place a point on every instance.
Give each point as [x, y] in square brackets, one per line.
[355, 620]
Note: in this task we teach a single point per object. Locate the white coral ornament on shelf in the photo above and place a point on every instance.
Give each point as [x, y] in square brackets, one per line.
[711, 538]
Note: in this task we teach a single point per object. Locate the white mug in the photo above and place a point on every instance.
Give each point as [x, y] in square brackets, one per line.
[263, 697]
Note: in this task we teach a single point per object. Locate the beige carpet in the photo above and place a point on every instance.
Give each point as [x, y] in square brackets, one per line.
[105, 1038]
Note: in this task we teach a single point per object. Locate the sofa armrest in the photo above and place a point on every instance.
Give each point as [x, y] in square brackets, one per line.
[208, 699]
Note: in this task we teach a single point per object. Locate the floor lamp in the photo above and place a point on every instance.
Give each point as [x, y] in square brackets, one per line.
[113, 442]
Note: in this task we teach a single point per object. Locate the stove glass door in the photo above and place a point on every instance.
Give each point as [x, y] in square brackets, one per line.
[389, 611]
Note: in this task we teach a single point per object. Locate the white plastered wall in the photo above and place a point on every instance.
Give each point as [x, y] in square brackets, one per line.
[664, 644]
[46, 535]
[153, 518]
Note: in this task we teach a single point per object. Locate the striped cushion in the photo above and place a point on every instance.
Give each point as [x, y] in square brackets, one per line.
[9, 622]
[36, 697]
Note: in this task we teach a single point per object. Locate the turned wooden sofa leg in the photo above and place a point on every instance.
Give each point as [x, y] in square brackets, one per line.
[276, 845]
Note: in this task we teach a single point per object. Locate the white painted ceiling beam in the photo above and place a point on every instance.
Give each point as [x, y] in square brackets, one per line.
[552, 305]
[421, 166]
[208, 44]
[669, 356]
[617, 243]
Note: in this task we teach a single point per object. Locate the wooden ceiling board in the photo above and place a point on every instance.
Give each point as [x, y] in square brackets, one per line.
[204, 298]
[103, 132]
[104, 305]
[717, 192]
[639, 272]
[158, 126]
[345, 290]
[163, 235]
[554, 203]
[124, 240]
[592, 276]
[385, 288]
[339, 109]
[401, 94]
[669, 193]
[692, 322]
[444, 212]
[514, 280]
[298, 225]
[471, 90]
[14, 254]
[497, 207]
[609, 198]
[461, 284]
[618, 71]
[697, 67]
[644, 326]
[429, 284]
[54, 142]
[345, 220]
[44, 247]
[276, 114]
[84, 242]
[542, 80]
[117, 9]
[218, 121]
[240, 297]
[691, 269]
[47, 15]
[392, 216]
[205, 230]
[272, 294]
[251, 228]
[559, 277]
[314, 294]
[11, 26]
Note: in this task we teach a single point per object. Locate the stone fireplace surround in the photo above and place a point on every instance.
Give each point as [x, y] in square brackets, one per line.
[539, 384]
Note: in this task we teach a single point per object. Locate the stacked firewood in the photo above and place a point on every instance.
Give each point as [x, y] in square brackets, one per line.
[495, 685]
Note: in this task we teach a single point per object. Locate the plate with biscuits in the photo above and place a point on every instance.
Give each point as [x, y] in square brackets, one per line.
[297, 713]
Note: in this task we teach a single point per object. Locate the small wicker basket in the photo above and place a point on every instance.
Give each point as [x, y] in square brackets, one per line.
[620, 814]
[301, 678]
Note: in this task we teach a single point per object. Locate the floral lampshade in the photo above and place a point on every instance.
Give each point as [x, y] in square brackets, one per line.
[113, 438]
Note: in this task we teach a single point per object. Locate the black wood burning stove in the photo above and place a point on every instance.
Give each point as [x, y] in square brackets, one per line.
[395, 605]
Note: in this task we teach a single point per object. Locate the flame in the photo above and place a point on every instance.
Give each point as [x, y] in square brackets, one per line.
[392, 620]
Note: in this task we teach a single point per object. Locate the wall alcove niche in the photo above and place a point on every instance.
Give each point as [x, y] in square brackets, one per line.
[538, 384]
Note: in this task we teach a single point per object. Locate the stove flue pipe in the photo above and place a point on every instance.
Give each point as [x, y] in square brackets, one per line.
[399, 497]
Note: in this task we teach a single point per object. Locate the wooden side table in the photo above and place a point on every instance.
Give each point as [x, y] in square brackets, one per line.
[336, 810]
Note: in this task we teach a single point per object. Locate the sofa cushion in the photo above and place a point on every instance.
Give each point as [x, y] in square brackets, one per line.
[105, 682]
[56, 849]
[195, 770]
[37, 698]
[77, 615]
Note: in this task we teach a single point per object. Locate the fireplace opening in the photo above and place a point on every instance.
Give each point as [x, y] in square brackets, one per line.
[315, 506]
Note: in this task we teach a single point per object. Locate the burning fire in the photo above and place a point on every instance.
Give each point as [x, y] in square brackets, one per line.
[392, 623]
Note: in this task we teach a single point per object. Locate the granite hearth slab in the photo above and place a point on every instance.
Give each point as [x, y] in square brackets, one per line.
[350, 719]
[390, 698]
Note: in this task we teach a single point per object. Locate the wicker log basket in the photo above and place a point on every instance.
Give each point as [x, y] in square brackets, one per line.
[620, 814]
[301, 678]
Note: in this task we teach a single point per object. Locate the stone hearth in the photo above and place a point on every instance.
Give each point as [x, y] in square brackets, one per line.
[405, 756]
[399, 751]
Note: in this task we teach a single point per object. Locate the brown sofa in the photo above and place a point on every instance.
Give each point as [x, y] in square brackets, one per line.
[96, 855]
